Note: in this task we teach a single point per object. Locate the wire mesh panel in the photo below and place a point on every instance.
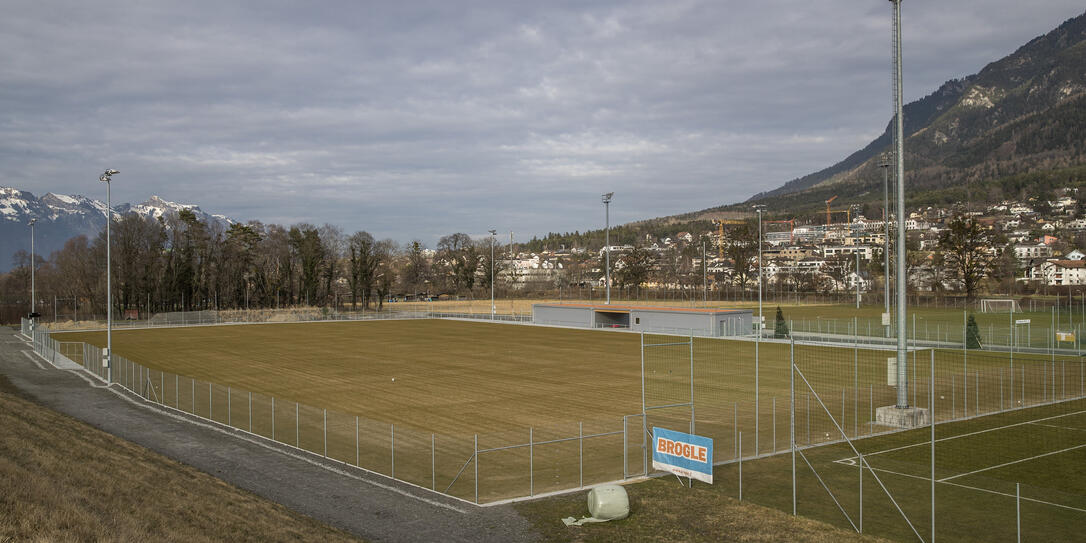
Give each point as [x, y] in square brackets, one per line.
[309, 430]
[262, 415]
[375, 445]
[221, 402]
[285, 427]
[414, 456]
[343, 437]
[506, 465]
[455, 465]
[556, 457]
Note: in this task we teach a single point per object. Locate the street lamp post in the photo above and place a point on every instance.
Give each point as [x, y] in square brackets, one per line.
[493, 308]
[33, 265]
[105, 178]
[606, 198]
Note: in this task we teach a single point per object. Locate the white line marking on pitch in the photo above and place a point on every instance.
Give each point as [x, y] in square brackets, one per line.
[236, 435]
[944, 479]
[978, 489]
[948, 438]
[1063, 427]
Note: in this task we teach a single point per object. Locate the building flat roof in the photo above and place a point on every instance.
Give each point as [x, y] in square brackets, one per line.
[628, 308]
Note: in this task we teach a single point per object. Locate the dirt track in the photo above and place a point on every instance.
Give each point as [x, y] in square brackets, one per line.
[370, 506]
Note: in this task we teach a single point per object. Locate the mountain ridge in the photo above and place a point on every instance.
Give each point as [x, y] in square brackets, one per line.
[61, 217]
[1010, 117]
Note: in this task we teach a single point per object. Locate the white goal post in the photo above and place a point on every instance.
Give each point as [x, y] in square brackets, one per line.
[990, 305]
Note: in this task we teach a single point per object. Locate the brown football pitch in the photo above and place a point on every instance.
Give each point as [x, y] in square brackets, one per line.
[433, 375]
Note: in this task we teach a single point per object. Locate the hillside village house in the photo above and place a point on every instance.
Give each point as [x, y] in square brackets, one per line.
[1031, 251]
[864, 250]
[1063, 272]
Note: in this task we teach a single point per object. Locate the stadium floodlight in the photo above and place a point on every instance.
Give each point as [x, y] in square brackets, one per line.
[493, 308]
[606, 199]
[106, 178]
[760, 208]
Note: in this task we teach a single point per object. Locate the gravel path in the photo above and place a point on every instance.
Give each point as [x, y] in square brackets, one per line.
[370, 506]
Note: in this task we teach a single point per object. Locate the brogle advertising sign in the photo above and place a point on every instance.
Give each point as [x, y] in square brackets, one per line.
[686, 455]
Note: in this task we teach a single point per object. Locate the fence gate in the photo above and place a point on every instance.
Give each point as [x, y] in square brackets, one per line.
[667, 388]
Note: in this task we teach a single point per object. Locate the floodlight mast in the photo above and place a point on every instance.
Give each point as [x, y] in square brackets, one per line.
[606, 198]
[761, 319]
[106, 178]
[899, 171]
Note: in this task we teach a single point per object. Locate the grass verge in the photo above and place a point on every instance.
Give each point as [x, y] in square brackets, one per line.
[64, 480]
[661, 510]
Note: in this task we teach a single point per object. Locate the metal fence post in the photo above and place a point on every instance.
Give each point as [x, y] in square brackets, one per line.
[356, 456]
[476, 456]
[209, 407]
[625, 448]
[176, 391]
[531, 462]
[273, 418]
[297, 433]
[1018, 510]
[250, 412]
[433, 464]
[229, 409]
[931, 406]
[580, 452]
[774, 425]
[325, 432]
[392, 437]
[194, 396]
[792, 415]
[860, 456]
[740, 466]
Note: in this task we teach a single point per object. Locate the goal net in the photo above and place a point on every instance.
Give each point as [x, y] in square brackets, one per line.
[999, 306]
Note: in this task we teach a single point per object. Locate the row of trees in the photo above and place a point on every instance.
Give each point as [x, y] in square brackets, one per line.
[182, 263]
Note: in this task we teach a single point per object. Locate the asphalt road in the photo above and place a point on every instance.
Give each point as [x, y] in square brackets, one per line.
[370, 506]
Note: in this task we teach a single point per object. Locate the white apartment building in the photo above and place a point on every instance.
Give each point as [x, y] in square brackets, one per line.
[1063, 272]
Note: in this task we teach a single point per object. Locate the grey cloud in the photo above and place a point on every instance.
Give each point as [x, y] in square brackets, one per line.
[413, 120]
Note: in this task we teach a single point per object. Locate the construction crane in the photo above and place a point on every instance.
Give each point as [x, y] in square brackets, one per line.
[720, 234]
[829, 213]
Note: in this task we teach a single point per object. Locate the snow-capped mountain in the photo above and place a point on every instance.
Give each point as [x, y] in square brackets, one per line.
[61, 217]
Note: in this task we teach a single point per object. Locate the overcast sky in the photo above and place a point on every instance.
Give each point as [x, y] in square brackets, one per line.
[419, 119]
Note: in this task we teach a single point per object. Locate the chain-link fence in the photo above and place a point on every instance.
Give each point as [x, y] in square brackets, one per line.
[1005, 330]
[1000, 415]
